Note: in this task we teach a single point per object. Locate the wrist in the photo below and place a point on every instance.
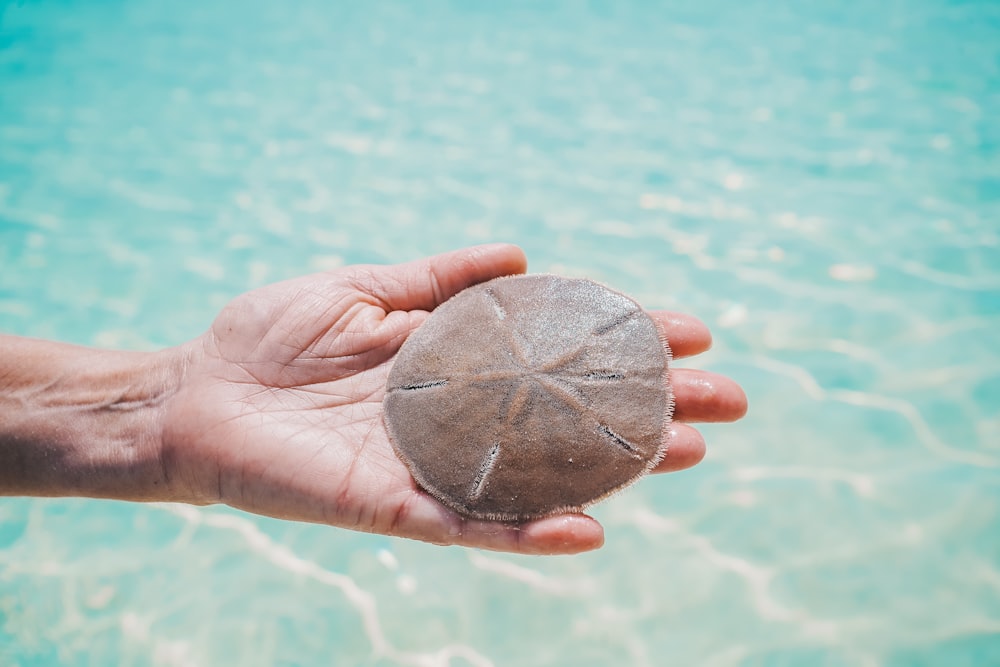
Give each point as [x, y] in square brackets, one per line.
[76, 421]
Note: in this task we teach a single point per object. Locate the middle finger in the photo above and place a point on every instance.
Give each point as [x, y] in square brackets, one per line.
[702, 396]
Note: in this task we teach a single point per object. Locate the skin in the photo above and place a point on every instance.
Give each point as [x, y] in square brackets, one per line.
[277, 409]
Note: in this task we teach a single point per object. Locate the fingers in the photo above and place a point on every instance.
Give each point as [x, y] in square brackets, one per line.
[425, 519]
[426, 283]
[562, 534]
[686, 334]
[701, 396]
[685, 448]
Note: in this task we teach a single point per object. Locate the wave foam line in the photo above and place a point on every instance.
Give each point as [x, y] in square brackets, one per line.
[907, 411]
[756, 577]
[902, 407]
[861, 484]
[526, 575]
[282, 557]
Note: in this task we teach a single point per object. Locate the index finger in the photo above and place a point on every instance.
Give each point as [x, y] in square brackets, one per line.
[686, 334]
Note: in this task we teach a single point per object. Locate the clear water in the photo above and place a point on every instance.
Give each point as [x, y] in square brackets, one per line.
[820, 183]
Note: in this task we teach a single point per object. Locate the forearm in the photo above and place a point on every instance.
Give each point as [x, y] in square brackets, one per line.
[83, 422]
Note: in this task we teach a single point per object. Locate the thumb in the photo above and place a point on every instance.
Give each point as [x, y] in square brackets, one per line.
[427, 283]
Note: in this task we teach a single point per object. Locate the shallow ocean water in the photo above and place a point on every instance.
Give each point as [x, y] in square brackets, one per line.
[819, 184]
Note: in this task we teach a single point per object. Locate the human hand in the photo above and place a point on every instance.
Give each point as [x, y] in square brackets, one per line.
[279, 410]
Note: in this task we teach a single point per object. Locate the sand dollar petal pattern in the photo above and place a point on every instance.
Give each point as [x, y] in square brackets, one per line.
[530, 395]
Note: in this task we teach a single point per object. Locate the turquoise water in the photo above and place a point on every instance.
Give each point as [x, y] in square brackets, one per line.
[821, 184]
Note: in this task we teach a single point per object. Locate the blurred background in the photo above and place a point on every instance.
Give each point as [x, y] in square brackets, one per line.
[820, 182]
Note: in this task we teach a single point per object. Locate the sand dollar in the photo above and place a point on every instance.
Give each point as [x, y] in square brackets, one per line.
[530, 395]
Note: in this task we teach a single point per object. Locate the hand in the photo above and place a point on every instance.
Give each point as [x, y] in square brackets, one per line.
[279, 411]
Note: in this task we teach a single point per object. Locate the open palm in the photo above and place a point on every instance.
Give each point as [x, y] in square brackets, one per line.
[280, 409]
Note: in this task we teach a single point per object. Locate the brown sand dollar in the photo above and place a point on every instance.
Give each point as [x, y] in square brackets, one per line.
[530, 395]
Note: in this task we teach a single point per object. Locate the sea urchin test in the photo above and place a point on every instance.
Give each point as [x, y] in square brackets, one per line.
[528, 396]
